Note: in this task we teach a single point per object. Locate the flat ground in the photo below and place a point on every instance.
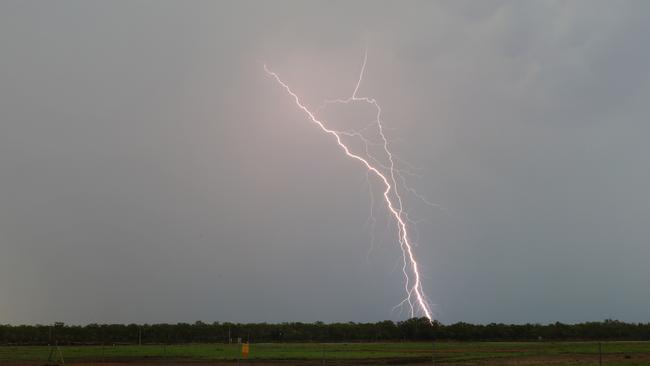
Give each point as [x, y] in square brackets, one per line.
[312, 354]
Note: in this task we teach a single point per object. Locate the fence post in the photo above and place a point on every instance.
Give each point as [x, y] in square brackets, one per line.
[433, 358]
[600, 353]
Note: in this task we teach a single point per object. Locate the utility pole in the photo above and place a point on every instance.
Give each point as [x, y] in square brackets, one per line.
[54, 345]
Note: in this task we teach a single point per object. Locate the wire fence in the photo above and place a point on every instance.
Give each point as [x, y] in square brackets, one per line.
[400, 353]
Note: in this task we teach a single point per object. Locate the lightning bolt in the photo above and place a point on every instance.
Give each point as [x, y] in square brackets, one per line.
[415, 295]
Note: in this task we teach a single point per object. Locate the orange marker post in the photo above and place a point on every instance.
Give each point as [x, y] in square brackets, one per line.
[244, 350]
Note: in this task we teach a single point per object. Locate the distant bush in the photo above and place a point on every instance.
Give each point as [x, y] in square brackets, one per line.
[415, 329]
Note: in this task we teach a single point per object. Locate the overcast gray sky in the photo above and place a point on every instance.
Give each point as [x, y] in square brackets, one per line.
[150, 171]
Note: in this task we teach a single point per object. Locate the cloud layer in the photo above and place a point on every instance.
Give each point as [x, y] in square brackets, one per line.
[150, 171]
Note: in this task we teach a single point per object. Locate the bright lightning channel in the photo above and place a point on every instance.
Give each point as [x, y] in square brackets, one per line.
[413, 287]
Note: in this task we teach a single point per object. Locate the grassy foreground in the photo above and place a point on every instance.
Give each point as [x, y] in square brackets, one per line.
[489, 353]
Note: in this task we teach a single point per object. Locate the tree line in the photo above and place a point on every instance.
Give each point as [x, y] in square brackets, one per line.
[415, 329]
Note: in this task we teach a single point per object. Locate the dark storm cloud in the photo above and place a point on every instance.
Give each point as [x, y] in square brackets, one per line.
[150, 171]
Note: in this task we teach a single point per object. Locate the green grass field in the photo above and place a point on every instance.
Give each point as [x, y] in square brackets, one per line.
[460, 353]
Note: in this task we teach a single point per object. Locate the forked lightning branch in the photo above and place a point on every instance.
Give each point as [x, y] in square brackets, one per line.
[389, 177]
